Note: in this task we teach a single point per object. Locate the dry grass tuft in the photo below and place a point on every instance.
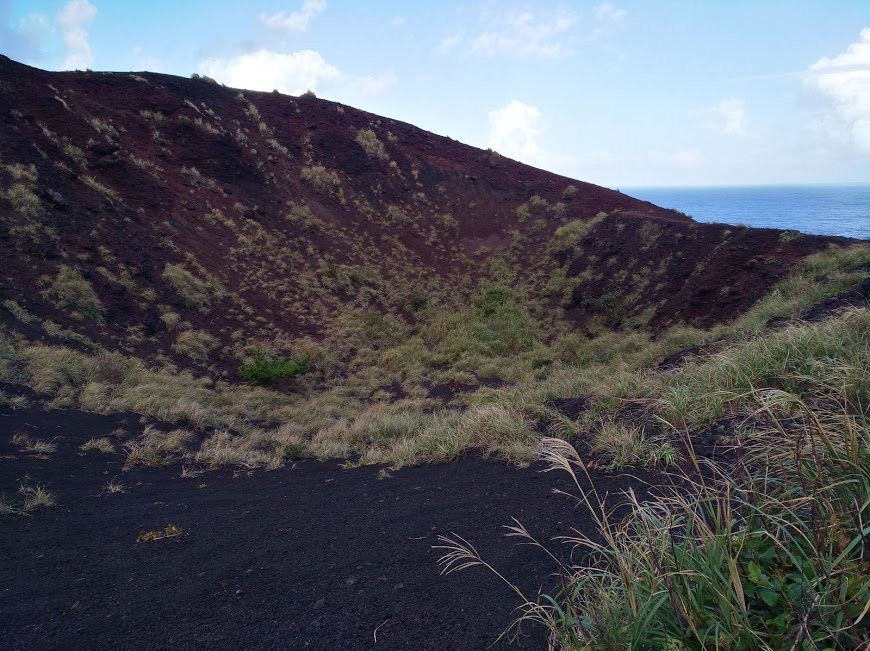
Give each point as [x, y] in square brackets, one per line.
[35, 446]
[102, 444]
[35, 497]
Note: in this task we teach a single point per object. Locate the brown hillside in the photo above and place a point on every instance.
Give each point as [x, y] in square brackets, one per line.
[178, 218]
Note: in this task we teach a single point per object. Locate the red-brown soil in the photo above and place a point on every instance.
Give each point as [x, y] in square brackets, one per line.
[137, 171]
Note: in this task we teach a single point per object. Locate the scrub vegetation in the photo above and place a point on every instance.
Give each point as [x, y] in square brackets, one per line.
[483, 376]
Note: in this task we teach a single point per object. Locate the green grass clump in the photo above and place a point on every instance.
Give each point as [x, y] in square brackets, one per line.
[369, 141]
[496, 325]
[69, 289]
[265, 369]
[791, 359]
[196, 292]
[323, 181]
[301, 215]
[23, 200]
[631, 445]
[19, 312]
[102, 444]
[573, 232]
[195, 344]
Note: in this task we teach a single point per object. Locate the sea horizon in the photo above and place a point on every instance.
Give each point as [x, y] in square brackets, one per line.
[841, 209]
[833, 184]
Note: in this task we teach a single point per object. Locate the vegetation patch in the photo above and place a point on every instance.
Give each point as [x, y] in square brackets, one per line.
[767, 554]
[301, 215]
[102, 444]
[570, 234]
[323, 181]
[195, 344]
[266, 369]
[196, 292]
[24, 201]
[35, 497]
[35, 446]
[70, 290]
[169, 531]
[631, 445]
[480, 373]
[369, 141]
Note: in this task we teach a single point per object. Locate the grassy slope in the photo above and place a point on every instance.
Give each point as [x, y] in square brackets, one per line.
[383, 405]
[765, 549]
[186, 223]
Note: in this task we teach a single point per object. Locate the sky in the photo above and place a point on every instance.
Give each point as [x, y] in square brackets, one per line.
[623, 94]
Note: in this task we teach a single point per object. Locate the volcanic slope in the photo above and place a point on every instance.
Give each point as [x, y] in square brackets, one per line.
[181, 221]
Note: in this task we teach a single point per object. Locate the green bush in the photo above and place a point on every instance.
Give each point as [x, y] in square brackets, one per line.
[265, 369]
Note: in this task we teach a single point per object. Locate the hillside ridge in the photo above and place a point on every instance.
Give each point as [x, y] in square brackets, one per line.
[141, 208]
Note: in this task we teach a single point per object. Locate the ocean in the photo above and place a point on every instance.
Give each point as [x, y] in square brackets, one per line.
[819, 209]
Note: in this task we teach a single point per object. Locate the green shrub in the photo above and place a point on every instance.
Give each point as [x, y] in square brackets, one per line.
[266, 369]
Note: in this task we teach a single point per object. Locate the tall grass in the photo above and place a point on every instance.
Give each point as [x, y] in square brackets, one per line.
[835, 352]
[767, 553]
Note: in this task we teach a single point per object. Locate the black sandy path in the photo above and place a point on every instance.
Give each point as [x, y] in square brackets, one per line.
[309, 556]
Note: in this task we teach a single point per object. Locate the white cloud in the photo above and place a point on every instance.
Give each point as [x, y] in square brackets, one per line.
[398, 21]
[74, 19]
[267, 70]
[514, 131]
[843, 85]
[728, 117]
[294, 21]
[678, 159]
[607, 16]
[608, 13]
[520, 32]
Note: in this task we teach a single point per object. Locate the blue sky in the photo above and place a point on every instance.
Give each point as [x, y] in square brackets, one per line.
[619, 93]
